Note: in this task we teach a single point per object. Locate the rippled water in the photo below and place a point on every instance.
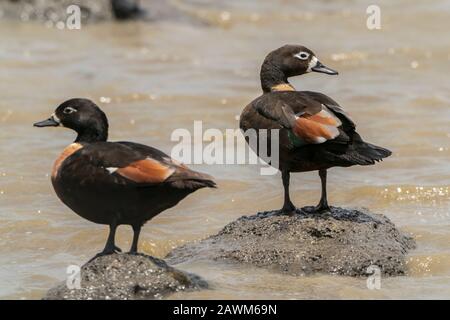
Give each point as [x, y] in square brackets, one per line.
[153, 78]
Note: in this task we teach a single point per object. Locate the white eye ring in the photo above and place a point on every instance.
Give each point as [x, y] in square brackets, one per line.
[69, 110]
[302, 55]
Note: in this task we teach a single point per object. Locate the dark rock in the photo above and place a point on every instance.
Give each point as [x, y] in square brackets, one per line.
[54, 11]
[125, 276]
[127, 9]
[343, 241]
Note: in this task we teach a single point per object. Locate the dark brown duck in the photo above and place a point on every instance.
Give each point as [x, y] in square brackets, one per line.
[115, 183]
[315, 132]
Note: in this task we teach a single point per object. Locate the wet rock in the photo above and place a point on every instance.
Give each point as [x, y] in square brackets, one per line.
[127, 9]
[125, 276]
[53, 11]
[343, 241]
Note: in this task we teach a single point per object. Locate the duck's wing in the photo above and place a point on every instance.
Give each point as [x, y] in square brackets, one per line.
[347, 121]
[134, 165]
[308, 120]
[317, 127]
[180, 175]
[356, 150]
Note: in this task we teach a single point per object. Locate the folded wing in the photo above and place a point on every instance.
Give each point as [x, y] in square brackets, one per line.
[135, 165]
[309, 121]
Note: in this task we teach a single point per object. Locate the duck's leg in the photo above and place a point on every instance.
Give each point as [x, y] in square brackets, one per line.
[110, 246]
[323, 203]
[136, 232]
[288, 206]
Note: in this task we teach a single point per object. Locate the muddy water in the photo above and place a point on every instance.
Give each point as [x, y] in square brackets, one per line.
[153, 78]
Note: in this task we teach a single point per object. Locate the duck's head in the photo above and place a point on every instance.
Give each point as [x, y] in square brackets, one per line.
[289, 61]
[82, 116]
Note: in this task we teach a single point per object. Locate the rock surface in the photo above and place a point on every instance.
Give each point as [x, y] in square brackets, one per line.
[343, 241]
[53, 11]
[125, 276]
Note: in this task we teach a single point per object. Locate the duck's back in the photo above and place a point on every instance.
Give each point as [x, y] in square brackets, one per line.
[127, 179]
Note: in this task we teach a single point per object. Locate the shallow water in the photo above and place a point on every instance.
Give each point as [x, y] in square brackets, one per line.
[153, 78]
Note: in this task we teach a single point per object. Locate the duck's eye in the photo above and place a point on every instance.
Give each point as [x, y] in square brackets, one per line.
[302, 55]
[69, 110]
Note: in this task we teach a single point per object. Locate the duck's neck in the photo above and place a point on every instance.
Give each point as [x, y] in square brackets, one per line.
[273, 78]
[93, 134]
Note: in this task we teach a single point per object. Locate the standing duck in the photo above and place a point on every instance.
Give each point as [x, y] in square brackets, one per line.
[315, 132]
[115, 183]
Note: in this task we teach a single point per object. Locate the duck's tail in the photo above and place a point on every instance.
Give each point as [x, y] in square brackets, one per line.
[372, 152]
[365, 153]
[190, 179]
[347, 154]
[198, 183]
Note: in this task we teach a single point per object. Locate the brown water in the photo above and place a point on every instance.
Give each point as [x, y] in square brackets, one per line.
[153, 78]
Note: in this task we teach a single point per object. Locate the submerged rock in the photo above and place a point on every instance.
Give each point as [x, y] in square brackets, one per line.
[125, 276]
[343, 241]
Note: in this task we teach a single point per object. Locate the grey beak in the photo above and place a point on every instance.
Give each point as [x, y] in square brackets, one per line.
[319, 67]
[50, 122]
